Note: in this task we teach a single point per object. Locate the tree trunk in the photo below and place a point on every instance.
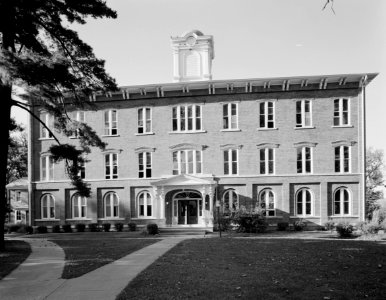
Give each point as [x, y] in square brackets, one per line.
[5, 115]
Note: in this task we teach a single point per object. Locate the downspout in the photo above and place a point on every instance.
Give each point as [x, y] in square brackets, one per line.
[363, 103]
[30, 168]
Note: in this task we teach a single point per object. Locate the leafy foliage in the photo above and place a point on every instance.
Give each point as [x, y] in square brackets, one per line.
[250, 221]
[132, 226]
[17, 153]
[374, 179]
[344, 229]
[152, 228]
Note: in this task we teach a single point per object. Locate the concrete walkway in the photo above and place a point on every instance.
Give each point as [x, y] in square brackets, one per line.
[39, 276]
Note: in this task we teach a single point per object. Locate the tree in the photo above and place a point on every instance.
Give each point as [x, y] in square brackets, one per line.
[374, 179]
[55, 68]
[17, 153]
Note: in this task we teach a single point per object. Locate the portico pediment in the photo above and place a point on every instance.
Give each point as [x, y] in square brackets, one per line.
[183, 179]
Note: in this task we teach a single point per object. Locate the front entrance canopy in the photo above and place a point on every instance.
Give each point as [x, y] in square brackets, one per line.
[183, 180]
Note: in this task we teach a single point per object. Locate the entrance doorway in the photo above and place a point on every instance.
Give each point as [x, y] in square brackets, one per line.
[187, 207]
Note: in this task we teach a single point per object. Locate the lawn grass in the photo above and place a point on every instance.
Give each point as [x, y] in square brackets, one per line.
[262, 268]
[15, 253]
[86, 252]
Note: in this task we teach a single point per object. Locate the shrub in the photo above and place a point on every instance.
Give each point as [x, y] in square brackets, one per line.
[80, 227]
[56, 229]
[152, 228]
[132, 226]
[282, 226]
[93, 227]
[29, 229]
[118, 227]
[329, 225]
[21, 228]
[250, 221]
[67, 228]
[379, 215]
[344, 229]
[299, 225]
[13, 227]
[42, 229]
[106, 227]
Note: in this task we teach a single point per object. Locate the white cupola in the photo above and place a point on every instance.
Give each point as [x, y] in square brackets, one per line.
[192, 56]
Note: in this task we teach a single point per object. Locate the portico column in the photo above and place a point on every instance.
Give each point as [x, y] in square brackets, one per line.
[162, 203]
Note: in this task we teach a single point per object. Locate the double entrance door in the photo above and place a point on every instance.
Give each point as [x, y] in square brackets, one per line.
[187, 212]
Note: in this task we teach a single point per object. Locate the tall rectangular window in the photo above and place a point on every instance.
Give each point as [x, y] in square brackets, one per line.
[342, 159]
[304, 160]
[341, 112]
[144, 165]
[187, 118]
[78, 116]
[144, 120]
[267, 115]
[303, 113]
[111, 122]
[231, 162]
[187, 162]
[230, 116]
[111, 166]
[47, 168]
[48, 120]
[82, 170]
[267, 161]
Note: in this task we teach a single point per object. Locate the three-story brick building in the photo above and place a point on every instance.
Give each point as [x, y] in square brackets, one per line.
[294, 146]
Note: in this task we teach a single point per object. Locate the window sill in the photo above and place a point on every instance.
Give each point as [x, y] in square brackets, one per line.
[145, 133]
[342, 126]
[304, 217]
[111, 178]
[343, 216]
[110, 135]
[46, 139]
[111, 219]
[144, 218]
[44, 220]
[188, 132]
[267, 129]
[304, 127]
[79, 219]
[274, 217]
[230, 130]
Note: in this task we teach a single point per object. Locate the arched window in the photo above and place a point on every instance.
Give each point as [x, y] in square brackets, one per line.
[79, 207]
[230, 200]
[342, 202]
[48, 206]
[145, 204]
[111, 205]
[304, 203]
[267, 202]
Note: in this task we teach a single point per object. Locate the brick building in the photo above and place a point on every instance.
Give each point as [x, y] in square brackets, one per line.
[294, 146]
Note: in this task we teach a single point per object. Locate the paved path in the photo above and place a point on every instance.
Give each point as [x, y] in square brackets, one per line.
[39, 276]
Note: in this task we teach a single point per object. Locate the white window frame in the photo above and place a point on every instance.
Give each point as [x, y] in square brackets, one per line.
[304, 203]
[230, 161]
[227, 117]
[48, 120]
[147, 202]
[18, 215]
[18, 196]
[266, 114]
[79, 199]
[142, 120]
[341, 202]
[302, 113]
[340, 113]
[266, 199]
[47, 169]
[304, 161]
[145, 164]
[185, 121]
[232, 206]
[111, 165]
[110, 125]
[82, 171]
[112, 196]
[182, 158]
[80, 117]
[49, 208]
[341, 159]
[266, 161]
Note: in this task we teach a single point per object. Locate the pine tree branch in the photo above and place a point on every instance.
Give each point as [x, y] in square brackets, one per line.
[16, 103]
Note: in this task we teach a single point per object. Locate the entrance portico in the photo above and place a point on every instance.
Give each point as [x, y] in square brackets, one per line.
[185, 200]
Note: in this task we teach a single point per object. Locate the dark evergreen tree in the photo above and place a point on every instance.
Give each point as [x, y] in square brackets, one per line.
[54, 67]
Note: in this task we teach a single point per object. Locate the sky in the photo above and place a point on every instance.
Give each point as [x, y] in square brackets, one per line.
[252, 39]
